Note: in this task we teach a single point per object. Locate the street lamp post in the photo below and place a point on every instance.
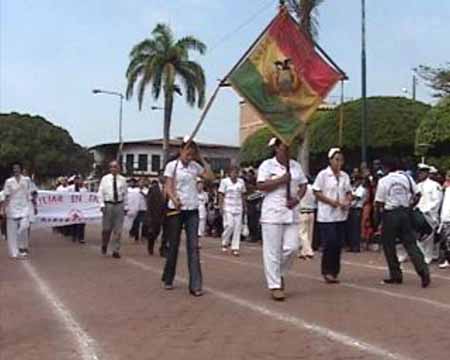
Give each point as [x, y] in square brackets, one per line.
[121, 96]
[363, 84]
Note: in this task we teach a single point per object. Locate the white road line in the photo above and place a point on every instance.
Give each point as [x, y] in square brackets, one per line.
[290, 319]
[384, 268]
[368, 266]
[436, 304]
[86, 345]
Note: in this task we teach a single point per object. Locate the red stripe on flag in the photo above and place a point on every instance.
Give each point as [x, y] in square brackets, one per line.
[295, 45]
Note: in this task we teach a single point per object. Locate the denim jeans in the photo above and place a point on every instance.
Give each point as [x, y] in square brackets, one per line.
[189, 219]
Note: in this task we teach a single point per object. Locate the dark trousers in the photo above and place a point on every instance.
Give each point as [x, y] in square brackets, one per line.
[152, 233]
[164, 247]
[253, 216]
[332, 237]
[78, 232]
[397, 225]
[354, 230]
[138, 222]
[189, 219]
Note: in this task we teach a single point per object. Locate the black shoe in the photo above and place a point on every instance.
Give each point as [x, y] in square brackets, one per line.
[391, 281]
[329, 279]
[104, 249]
[426, 279]
[116, 255]
[196, 293]
[82, 242]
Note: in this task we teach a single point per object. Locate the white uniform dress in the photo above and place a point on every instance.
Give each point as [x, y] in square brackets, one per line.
[430, 204]
[280, 225]
[202, 214]
[308, 206]
[18, 213]
[233, 193]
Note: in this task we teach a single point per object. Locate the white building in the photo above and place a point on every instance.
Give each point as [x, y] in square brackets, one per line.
[141, 158]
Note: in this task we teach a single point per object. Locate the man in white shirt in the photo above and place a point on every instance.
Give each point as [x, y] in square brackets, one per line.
[396, 193]
[429, 204]
[112, 195]
[280, 215]
[308, 206]
[334, 193]
[231, 202]
[19, 206]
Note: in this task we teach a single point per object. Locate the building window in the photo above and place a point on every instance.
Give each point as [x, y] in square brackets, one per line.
[156, 163]
[143, 162]
[218, 164]
[129, 162]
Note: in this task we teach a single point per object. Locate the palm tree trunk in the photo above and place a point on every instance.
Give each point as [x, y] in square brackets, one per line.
[168, 107]
[303, 152]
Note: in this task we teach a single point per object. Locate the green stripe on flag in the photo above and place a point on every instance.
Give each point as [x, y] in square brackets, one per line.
[281, 117]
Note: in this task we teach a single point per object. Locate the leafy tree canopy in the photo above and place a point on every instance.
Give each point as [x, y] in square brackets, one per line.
[436, 78]
[392, 123]
[433, 133]
[44, 149]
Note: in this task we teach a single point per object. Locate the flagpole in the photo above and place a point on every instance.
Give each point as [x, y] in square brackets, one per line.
[341, 116]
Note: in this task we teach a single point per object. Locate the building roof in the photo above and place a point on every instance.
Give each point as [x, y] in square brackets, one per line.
[159, 142]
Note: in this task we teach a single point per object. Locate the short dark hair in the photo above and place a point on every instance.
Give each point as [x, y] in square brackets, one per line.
[18, 163]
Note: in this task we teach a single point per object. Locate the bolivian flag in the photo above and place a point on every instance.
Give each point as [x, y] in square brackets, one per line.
[284, 78]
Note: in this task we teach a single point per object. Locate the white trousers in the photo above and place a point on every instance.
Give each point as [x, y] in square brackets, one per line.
[232, 226]
[428, 247]
[280, 245]
[17, 234]
[306, 233]
[202, 227]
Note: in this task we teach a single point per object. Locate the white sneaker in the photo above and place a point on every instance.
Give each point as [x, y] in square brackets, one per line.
[444, 265]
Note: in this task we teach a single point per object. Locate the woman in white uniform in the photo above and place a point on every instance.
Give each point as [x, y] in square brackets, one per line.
[280, 215]
[231, 200]
[202, 201]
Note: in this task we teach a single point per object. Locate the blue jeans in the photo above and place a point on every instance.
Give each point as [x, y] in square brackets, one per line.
[174, 224]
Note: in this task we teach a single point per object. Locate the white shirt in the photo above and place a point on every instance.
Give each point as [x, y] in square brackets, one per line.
[233, 195]
[2, 196]
[360, 195]
[62, 188]
[431, 198]
[18, 197]
[143, 192]
[274, 207]
[133, 200]
[202, 201]
[106, 190]
[445, 210]
[185, 178]
[333, 187]
[309, 201]
[395, 190]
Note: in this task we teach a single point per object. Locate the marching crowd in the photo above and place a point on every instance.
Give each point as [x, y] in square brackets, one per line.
[292, 214]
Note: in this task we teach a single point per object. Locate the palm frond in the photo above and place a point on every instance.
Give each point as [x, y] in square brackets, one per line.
[145, 47]
[163, 35]
[193, 79]
[191, 43]
[132, 76]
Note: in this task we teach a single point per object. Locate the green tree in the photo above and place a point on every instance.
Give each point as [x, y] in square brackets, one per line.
[433, 133]
[162, 62]
[45, 150]
[392, 125]
[436, 78]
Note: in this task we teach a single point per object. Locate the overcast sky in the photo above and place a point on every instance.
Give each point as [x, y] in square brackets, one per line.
[54, 52]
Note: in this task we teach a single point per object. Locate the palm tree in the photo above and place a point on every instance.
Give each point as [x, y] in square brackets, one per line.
[307, 14]
[163, 63]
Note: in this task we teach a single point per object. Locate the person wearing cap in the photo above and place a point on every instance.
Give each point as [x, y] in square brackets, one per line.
[396, 193]
[181, 189]
[280, 215]
[231, 201]
[334, 194]
[78, 230]
[430, 205]
[113, 199]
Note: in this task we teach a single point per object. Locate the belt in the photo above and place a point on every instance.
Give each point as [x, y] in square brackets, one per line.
[306, 211]
[113, 202]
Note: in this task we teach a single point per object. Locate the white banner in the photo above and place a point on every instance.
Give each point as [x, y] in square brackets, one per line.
[66, 208]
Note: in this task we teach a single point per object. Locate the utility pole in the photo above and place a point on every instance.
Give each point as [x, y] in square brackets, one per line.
[363, 84]
[414, 86]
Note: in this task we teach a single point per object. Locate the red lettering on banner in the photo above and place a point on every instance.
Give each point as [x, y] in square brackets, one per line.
[76, 198]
